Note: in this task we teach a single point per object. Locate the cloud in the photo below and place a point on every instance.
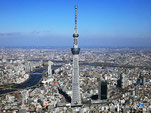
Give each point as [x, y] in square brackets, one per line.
[9, 34]
[35, 32]
[40, 32]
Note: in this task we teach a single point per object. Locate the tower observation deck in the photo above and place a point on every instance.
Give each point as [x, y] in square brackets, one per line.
[76, 97]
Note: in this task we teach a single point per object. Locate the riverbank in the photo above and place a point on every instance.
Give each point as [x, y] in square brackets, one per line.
[13, 85]
[8, 86]
[34, 79]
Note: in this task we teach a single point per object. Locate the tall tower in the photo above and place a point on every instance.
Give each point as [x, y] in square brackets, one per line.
[76, 98]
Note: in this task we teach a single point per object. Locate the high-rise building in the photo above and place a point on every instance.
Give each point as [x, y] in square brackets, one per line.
[103, 93]
[141, 80]
[76, 97]
[122, 82]
[28, 67]
[50, 68]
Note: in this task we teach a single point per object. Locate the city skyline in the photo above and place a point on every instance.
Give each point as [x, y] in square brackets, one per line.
[106, 23]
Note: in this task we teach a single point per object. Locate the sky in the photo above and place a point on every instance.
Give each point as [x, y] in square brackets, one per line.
[50, 23]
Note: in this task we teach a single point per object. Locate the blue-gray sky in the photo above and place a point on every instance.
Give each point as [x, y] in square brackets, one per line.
[101, 23]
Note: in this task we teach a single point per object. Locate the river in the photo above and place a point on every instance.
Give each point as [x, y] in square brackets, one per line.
[32, 81]
[35, 78]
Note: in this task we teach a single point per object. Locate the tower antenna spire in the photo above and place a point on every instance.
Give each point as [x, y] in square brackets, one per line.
[76, 29]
